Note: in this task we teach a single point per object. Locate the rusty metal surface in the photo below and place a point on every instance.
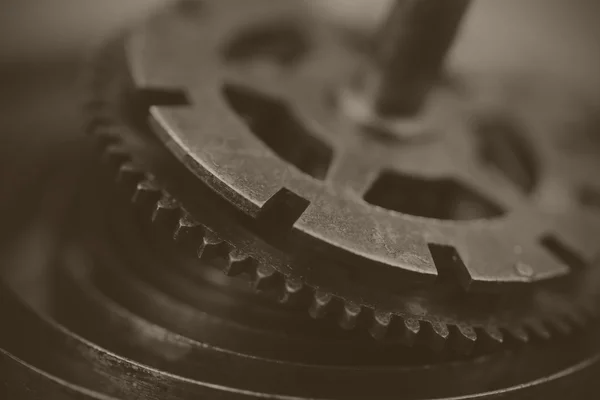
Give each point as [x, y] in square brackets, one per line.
[497, 266]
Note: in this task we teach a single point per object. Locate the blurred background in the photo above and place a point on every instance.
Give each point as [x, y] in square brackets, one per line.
[41, 41]
[531, 28]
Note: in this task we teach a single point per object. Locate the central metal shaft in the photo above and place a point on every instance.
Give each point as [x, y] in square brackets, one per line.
[410, 53]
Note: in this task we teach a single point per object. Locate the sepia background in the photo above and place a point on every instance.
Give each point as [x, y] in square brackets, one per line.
[38, 39]
[41, 43]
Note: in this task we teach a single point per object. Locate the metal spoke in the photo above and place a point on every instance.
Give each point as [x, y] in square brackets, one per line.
[491, 184]
[353, 172]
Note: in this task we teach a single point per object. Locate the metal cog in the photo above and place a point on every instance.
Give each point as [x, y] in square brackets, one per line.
[527, 291]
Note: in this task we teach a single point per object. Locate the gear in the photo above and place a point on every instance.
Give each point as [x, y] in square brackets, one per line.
[97, 303]
[494, 245]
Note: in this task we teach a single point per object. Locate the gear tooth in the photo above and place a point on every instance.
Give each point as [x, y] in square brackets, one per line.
[539, 329]
[266, 278]
[436, 334]
[147, 185]
[292, 291]
[114, 156]
[206, 248]
[146, 195]
[396, 328]
[561, 326]
[381, 323]
[212, 247]
[239, 263]
[211, 238]
[493, 336]
[321, 304]
[129, 175]
[188, 229]
[519, 334]
[411, 329]
[463, 338]
[350, 314]
[166, 212]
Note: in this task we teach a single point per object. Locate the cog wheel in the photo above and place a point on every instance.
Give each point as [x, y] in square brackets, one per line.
[246, 135]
